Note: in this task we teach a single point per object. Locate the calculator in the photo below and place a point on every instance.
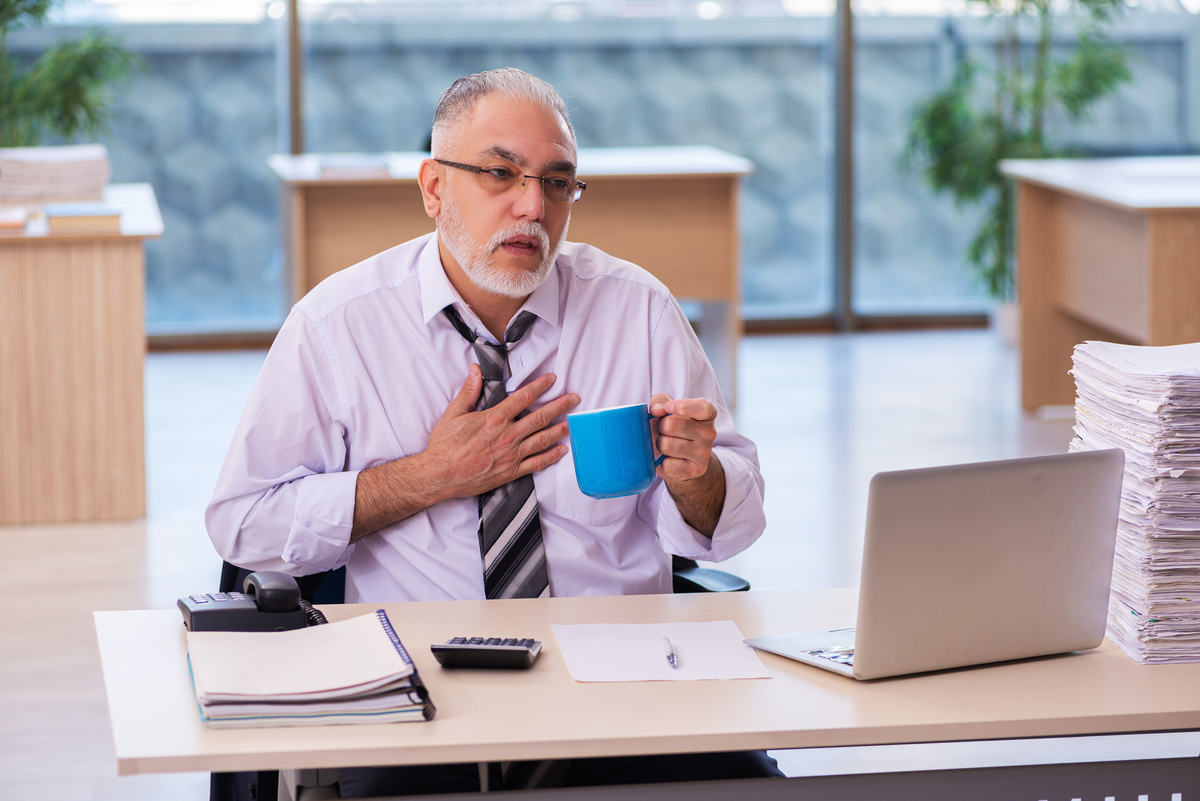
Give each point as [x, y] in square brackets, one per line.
[487, 652]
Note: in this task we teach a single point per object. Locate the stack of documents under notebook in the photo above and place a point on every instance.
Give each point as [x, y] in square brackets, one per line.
[353, 671]
[38, 175]
[1146, 401]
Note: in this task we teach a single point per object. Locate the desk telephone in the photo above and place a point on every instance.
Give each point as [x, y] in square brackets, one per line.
[269, 601]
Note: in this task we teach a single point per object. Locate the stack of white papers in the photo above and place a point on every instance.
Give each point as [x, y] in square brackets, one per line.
[353, 671]
[39, 175]
[1146, 401]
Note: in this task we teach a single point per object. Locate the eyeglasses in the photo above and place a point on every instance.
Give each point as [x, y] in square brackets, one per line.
[498, 180]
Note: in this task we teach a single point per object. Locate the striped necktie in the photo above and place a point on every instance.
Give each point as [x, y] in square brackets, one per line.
[510, 531]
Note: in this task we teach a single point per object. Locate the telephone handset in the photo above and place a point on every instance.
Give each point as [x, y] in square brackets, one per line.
[269, 601]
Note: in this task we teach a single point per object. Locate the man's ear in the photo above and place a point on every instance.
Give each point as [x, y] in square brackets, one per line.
[429, 177]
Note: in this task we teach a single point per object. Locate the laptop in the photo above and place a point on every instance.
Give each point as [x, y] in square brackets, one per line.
[977, 563]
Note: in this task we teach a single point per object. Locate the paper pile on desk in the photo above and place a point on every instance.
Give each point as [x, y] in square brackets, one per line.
[37, 175]
[1146, 401]
[353, 671]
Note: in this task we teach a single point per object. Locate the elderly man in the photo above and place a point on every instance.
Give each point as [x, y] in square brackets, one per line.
[409, 419]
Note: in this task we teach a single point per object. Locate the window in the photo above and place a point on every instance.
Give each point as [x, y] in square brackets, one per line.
[754, 77]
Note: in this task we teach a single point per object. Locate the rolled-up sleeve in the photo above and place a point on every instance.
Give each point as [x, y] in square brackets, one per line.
[742, 519]
[680, 368]
[284, 499]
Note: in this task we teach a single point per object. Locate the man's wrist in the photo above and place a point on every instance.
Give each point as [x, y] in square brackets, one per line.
[699, 484]
[391, 492]
[421, 480]
[701, 499]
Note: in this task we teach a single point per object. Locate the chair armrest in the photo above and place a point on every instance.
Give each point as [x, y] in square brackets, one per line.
[706, 579]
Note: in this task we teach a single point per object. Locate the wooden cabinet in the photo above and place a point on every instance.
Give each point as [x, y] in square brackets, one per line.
[72, 352]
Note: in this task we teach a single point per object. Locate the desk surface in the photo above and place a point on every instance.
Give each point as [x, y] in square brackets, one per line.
[1135, 184]
[598, 162]
[494, 715]
[140, 217]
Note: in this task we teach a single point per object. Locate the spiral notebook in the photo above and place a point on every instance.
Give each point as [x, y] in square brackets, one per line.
[352, 671]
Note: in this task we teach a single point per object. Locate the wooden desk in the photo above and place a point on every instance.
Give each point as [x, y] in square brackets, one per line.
[672, 210]
[72, 348]
[543, 713]
[1106, 249]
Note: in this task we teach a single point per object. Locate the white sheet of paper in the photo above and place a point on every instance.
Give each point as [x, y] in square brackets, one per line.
[634, 651]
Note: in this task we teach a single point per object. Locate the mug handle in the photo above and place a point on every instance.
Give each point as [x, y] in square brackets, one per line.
[661, 456]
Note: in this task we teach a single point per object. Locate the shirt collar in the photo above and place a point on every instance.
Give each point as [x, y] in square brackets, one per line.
[437, 292]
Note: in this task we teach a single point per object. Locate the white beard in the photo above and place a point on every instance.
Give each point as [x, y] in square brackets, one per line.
[477, 262]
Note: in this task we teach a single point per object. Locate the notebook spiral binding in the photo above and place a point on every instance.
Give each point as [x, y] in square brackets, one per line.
[418, 686]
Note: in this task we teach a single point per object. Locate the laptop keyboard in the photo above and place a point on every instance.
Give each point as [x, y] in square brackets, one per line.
[842, 654]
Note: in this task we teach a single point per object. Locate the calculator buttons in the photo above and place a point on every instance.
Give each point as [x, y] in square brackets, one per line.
[487, 652]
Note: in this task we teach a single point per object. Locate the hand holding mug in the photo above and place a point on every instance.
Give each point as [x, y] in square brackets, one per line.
[686, 432]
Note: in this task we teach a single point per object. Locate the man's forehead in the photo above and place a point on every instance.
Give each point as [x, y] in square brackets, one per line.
[519, 131]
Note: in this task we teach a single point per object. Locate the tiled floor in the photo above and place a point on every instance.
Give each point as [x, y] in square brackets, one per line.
[827, 412]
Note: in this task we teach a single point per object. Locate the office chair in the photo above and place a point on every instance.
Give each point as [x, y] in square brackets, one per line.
[687, 576]
[330, 588]
[319, 588]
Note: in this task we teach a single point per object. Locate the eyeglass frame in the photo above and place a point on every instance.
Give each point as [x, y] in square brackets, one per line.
[579, 185]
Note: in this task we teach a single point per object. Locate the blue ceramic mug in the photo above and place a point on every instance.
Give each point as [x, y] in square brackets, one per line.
[613, 450]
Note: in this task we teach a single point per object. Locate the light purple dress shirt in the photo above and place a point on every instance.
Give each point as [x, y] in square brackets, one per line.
[366, 364]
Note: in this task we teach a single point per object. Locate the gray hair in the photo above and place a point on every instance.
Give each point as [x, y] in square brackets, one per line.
[459, 100]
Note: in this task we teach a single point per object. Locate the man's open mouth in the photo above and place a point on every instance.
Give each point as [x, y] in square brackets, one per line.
[530, 243]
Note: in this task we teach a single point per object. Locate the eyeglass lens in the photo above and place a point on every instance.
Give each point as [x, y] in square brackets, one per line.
[554, 187]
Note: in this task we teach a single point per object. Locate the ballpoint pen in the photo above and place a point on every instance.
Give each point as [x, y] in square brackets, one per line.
[672, 657]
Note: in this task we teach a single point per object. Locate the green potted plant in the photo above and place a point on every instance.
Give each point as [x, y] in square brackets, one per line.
[959, 136]
[65, 91]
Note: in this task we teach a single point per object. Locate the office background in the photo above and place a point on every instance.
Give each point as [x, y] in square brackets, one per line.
[199, 122]
[827, 411]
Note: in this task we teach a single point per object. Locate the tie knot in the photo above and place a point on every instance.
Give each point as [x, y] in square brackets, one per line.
[515, 331]
[492, 356]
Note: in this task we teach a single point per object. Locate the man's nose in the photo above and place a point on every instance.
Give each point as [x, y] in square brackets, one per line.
[530, 202]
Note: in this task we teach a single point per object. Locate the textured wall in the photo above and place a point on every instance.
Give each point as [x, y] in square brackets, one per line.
[201, 120]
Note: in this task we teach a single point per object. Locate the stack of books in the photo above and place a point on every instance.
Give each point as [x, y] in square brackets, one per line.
[83, 218]
[353, 671]
[1146, 401]
[39, 175]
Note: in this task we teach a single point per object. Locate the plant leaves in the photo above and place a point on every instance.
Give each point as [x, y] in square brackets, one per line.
[958, 137]
[66, 91]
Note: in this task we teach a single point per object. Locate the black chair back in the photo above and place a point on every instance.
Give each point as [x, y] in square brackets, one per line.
[319, 588]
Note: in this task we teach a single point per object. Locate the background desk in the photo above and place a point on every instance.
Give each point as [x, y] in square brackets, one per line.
[1106, 249]
[672, 210]
[72, 347]
[543, 713]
